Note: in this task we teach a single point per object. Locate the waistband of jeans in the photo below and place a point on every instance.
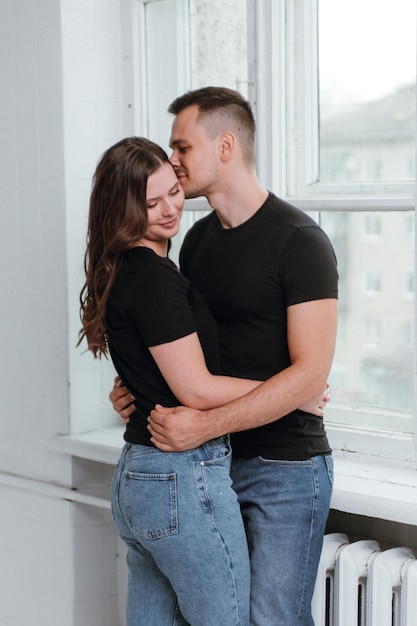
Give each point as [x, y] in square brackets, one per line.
[207, 447]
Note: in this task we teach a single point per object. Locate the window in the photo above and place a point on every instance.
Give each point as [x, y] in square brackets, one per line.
[372, 282]
[187, 44]
[409, 286]
[352, 108]
[373, 225]
[372, 337]
[218, 32]
[336, 118]
[367, 89]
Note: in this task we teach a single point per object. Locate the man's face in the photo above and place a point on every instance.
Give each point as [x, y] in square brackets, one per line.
[194, 156]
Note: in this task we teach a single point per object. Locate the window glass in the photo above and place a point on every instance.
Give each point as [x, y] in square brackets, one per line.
[367, 128]
[373, 365]
[218, 44]
[367, 92]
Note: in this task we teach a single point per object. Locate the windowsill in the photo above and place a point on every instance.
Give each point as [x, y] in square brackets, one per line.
[361, 486]
[374, 489]
[103, 446]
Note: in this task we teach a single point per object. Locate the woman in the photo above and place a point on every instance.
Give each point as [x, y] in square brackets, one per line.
[177, 512]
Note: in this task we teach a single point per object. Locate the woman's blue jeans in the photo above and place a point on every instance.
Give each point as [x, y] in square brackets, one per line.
[285, 505]
[187, 553]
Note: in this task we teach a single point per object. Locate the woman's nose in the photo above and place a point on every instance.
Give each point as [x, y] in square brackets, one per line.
[169, 207]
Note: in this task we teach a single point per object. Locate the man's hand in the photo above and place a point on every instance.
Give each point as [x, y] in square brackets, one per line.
[122, 400]
[177, 429]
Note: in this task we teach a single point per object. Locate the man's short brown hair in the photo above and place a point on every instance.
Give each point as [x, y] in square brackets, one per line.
[221, 109]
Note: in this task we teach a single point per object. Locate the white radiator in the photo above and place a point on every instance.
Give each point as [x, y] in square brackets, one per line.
[358, 584]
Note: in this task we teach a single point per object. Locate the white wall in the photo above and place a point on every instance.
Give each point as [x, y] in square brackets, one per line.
[33, 308]
[60, 107]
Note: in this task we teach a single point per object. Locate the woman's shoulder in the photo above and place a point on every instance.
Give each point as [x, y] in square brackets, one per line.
[144, 266]
[143, 276]
[142, 260]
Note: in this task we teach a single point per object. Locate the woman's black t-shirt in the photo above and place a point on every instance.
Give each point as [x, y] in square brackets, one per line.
[152, 303]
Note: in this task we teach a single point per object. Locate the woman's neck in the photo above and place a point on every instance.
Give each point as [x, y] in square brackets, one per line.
[159, 247]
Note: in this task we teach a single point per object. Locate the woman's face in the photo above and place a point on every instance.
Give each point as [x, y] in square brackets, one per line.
[165, 202]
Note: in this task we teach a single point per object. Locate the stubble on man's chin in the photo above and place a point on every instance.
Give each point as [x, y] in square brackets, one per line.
[189, 195]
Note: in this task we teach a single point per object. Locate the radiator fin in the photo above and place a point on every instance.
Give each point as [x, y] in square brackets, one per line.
[358, 584]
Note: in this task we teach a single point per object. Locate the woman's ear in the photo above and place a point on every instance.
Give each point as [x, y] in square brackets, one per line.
[227, 145]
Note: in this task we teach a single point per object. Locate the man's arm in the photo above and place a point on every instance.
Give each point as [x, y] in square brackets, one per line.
[123, 401]
[311, 341]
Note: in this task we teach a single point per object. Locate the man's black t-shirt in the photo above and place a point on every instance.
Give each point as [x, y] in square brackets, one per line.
[248, 276]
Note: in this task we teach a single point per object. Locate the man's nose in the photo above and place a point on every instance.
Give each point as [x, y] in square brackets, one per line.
[174, 159]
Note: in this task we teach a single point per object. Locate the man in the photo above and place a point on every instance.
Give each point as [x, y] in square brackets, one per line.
[268, 274]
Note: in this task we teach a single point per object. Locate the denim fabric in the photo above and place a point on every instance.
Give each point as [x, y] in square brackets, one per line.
[187, 553]
[285, 505]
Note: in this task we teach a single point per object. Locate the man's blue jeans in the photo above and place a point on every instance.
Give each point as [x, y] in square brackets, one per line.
[285, 505]
[187, 554]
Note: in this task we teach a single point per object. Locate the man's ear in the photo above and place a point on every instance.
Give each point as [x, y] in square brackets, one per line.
[226, 145]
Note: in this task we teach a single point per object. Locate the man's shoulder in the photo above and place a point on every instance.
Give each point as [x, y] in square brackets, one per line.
[278, 209]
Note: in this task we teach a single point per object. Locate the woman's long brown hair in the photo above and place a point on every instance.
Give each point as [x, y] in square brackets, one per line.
[118, 218]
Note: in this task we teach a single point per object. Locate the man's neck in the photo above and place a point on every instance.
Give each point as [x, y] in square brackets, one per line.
[235, 206]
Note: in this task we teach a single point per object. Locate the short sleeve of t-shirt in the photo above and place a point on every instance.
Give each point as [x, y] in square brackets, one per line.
[309, 268]
[161, 309]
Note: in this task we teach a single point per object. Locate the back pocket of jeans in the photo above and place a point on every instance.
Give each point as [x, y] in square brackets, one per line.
[151, 504]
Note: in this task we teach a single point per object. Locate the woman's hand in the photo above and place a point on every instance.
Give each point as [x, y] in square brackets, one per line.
[122, 400]
[317, 405]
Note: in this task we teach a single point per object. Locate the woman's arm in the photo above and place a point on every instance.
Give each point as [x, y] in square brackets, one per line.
[182, 364]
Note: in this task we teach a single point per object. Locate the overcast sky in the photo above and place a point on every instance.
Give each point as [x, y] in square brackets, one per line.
[367, 47]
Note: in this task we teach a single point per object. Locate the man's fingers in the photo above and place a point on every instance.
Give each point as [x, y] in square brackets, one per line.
[162, 446]
[155, 430]
[161, 410]
[159, 415]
